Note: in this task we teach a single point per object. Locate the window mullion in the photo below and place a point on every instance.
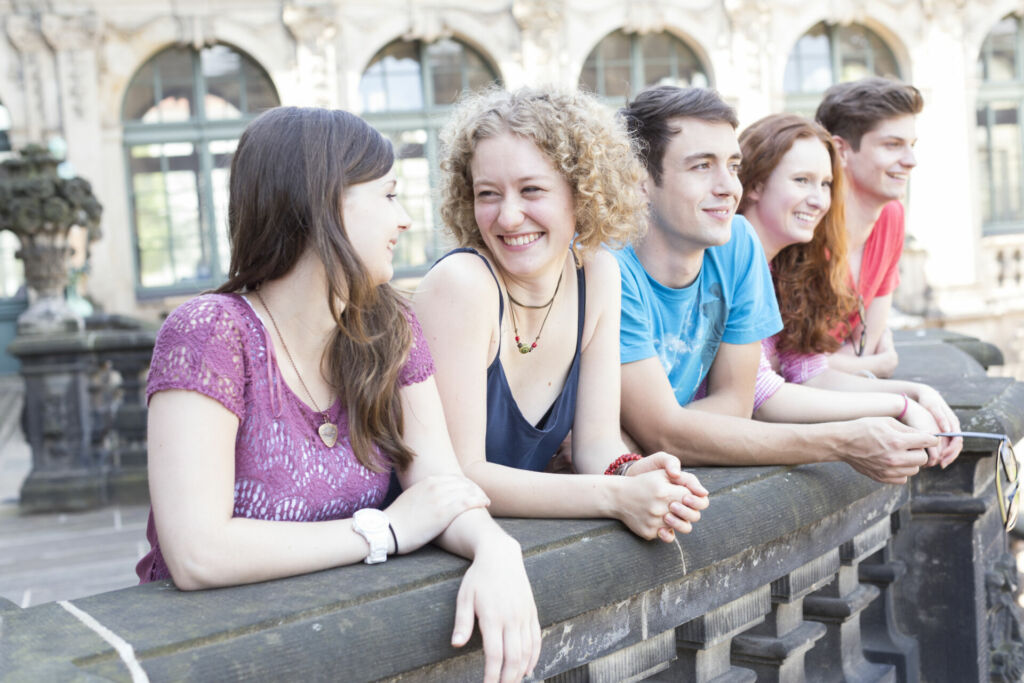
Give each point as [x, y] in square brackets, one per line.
[835, 53]
[168, 213]
[636, 65]
[198, 87]
[426, 77]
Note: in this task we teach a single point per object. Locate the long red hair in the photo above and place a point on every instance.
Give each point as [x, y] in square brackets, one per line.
[811, 279]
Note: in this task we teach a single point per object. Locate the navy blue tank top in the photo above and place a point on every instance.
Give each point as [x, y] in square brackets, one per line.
[511, 440]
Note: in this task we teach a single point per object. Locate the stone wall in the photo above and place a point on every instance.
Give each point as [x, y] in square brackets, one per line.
[809, 572]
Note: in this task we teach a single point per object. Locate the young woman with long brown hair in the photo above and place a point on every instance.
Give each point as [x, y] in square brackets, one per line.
[279, 404]
[792, 183]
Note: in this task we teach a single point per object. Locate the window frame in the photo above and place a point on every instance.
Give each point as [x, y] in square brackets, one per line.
[200, 132]
[431, 119]
[807, 102]
[637, 64]
[992, 92]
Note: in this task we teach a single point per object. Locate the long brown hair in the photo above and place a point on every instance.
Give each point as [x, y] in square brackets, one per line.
[288, 178]
[810, 279]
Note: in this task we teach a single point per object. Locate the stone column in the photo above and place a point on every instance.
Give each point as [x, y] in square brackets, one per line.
[703, 644]
[542, 27]
[839, 656]
[314, 29]
[38, 79]
[74, 40]
[775, 649]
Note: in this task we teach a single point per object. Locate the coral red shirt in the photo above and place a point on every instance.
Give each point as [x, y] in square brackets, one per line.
[880, 264]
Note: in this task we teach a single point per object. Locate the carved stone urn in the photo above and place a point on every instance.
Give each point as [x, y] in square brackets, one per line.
[42, 208]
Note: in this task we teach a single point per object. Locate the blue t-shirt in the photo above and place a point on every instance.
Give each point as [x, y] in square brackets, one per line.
[732, 300]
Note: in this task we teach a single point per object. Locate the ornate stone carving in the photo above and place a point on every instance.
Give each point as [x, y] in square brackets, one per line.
[23, 32]
[541, 24]
[78, 32]
[644, 16]
[1004, 621]
[314, 29]
[41, 208]
[310, 24]
[426, 24]
[196, 30]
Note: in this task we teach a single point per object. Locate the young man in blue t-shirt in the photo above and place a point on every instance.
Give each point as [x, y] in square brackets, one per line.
[697, 299]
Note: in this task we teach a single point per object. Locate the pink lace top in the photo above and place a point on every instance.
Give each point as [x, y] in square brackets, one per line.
[777, 368]
[217, 346]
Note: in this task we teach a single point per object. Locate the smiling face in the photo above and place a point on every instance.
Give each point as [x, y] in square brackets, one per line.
[373, 218]
[523, 206]
[797, 194]
[693, 206]
[880, 169]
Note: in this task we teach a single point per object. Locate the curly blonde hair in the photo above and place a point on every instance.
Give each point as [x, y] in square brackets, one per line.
[584, 140]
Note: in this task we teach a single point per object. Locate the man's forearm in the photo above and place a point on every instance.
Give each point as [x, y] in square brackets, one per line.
[700, 438]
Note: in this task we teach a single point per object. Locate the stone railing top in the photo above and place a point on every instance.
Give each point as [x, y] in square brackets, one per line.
[376, 622]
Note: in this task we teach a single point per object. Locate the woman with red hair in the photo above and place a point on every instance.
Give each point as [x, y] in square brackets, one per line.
[792, 196]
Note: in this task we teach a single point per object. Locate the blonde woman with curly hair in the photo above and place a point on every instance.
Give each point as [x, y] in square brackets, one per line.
[523, 318]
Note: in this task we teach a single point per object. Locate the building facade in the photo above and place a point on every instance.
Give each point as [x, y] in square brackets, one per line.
[147, 100]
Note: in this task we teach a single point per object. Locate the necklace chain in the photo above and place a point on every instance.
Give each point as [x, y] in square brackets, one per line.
[327, 428]
[523, 348]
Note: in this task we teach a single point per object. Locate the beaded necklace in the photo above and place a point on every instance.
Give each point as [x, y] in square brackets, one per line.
[523, 348]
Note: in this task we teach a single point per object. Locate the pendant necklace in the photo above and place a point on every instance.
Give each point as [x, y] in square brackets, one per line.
[328, 431]
[524, 348]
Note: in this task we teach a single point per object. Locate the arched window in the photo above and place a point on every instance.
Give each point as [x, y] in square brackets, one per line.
[1000, 97]
[183, 114]
[406, 92]
[829, 54]
[623, 64]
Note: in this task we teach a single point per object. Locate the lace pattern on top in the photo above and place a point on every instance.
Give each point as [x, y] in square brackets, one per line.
[216, 345]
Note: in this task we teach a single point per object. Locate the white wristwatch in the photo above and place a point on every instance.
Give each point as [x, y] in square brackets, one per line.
[372, 524]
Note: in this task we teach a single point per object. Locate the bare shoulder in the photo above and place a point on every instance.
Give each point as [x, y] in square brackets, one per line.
[603, 284]
[462, 278]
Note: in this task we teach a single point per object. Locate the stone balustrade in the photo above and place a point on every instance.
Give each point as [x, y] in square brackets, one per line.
[794, 573]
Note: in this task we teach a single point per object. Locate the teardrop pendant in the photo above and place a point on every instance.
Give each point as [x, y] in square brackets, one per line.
[328, 432]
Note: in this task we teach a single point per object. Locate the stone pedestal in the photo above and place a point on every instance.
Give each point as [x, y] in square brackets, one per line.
[86, 432]
[957, 598]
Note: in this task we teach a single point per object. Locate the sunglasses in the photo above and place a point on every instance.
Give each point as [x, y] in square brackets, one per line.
[859, 342]
[1008, 469]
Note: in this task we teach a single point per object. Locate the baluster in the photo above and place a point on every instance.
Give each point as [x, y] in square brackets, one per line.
[703, 645]
[883, 641]
[839, 655]
[775, 649]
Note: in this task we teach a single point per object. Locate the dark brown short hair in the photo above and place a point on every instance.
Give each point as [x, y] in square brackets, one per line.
[648, 118]
[850, 110]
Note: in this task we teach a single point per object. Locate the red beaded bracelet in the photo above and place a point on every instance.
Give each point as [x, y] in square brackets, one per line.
[622, 460]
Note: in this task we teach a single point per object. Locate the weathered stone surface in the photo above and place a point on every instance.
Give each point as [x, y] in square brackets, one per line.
[758, 529]
[607, 600]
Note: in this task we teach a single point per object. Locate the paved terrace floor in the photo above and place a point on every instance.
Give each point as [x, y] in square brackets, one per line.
[48, 557]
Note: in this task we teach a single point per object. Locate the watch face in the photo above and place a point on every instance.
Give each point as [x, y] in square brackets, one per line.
[371, 519]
